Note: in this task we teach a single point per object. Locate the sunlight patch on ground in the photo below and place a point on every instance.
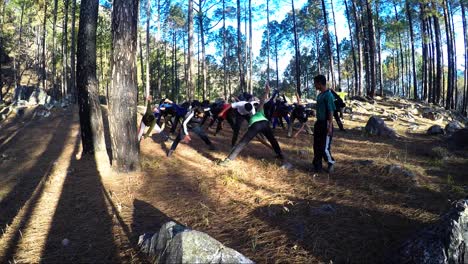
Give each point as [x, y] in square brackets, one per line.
[33, 222]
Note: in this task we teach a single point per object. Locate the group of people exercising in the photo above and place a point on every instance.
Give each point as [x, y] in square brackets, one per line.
[262, 115]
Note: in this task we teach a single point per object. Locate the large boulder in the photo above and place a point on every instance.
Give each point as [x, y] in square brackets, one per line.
[176, 243]
[459, 140]
[453, 127]
[435, 130]
[443, 242]
[376, 126]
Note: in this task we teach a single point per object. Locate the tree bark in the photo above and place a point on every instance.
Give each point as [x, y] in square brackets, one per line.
[337, 48]
[44, 27]
[359, 45]
[92, 129]
[55, 92]
[250, 47]
[65, 48]
[190, 51]
[123, 96]
[371, 49]
[465, 82]
[148, 19]
[224, 52]
[72, 89]
[355, 67]
[413, 57]
[298, 54]
[239, 55]
[329, 47]
[449, 97]
[439, 69]
[268, 42]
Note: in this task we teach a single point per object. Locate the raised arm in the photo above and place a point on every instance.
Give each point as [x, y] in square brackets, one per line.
[264, 97]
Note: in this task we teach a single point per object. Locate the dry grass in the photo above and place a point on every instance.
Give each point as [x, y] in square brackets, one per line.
[265, 212]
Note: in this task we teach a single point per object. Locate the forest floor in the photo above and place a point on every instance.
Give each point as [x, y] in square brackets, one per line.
[59, 207]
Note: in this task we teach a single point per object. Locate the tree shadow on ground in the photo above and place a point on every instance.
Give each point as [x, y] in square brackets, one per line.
[31, 184]
[147, 218]
[82, 218]
[367, 235]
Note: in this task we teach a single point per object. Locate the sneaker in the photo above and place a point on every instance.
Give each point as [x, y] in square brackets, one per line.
[224, 163]
[169, 153]
[331, 168]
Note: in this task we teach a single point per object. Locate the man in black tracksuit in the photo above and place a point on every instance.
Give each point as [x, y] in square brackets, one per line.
[323, 128]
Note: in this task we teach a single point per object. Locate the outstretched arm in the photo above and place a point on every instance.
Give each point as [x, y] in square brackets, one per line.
[264, 97]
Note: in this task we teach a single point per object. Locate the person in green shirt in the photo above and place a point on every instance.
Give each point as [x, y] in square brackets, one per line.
[323, 128]
[258, 123]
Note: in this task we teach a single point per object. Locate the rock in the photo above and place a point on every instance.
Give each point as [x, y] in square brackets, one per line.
[363, 162]
[397, 170]
[431, 114]
[197, 247]
[65, 242]
[175, 243]
[459, 140]
[443, 242]
[435, 130]
[376, 126]
[453, 126]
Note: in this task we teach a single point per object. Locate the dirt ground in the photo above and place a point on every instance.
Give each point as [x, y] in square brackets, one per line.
[57, 206]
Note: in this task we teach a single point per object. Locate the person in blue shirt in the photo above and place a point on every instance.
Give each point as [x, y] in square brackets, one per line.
[323, 128]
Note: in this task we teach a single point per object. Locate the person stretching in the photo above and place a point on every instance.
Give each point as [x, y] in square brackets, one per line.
[193, 118]
[258, 123]
[148, 120]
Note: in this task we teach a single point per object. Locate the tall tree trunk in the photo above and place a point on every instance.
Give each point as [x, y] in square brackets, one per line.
[92, 129]
[190, 51]
[439, 68]
[329, 47]
[379, 48]
[19, 51]
[1, 45]
[371, 31]
[449, 97]
[123, 96]
[298, 54]
[224, 53]
[268, 42]
[142, 66]
[359, 39]
[65, 48]
[425, 54]
[55, 92]
[239, 51]
[413, 58]
[158, 43]
[72, 89]
[44, 27]
[276, 61]
[356, 74]
[401, 67]
[337, 48]
[465, 79]
[148, 19]
[250, 47]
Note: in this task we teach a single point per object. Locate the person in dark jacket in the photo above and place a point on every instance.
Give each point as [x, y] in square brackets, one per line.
[339, 105]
